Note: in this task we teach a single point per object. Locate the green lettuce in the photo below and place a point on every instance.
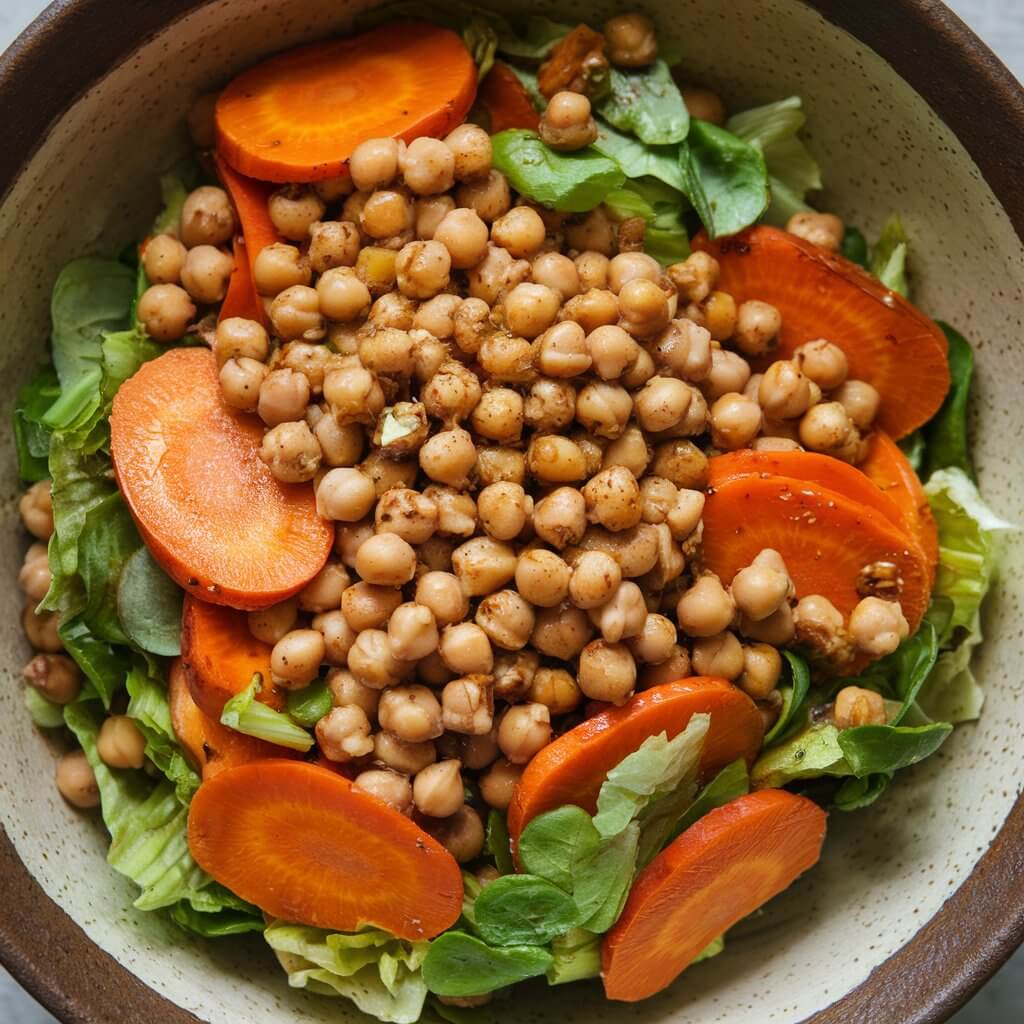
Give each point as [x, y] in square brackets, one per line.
[45, 714]
[149, 605]
[245, 714]
[458, 964]
[576, 956]
[637, 159]
[381, 974]
[889, 257]
[647, 103]
[31, 433]
[662, 208]
[947, 444]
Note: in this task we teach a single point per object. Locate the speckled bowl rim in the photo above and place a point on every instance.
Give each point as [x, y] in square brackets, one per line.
[980, 925]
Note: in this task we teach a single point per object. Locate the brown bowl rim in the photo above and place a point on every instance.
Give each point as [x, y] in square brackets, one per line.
[977, 928]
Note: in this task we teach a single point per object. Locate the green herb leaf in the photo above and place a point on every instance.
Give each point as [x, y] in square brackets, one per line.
[604, 883]
[556, 845]
[946, 434]
[855, 794]
[498, 844]
[523, 910]
[149, 605]
[646, 102]
[885, 748]
[794, 698]
[245, 714]
[725, 178]
[308, 705]
[571, 183]
[637, 159]
[731, 782]
[458, 964]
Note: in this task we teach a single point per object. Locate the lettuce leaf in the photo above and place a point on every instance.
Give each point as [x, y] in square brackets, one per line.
[378, 972]
[947, 444]
[245, 714]
[663, 208]
[637, 159]
[889, 257]
[577, 956]
[31, 433]
[646, 102]
[45, 714]
[149, 605]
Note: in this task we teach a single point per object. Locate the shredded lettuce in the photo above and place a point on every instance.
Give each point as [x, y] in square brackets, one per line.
[245, 714]
[378, 972]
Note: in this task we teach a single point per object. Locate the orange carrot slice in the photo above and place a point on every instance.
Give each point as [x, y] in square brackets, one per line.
[888, 467]
[506, 100]
[250, 201]
[210, 511]
[888, 342]
[299, 115]
[303, 845]
[722, 868]
[826, 540]
[572, 768]
[208, 745]
[220, 656]
[823, 470]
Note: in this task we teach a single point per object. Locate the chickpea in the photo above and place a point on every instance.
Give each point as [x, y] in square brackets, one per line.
[775, 444]
[820, 626]
[338, 635]
[826, 427]
[623, 615]
[412, 631]
[499, 782]
[206, 272]
[428, 166]
[563, 351]
[566, 123]
[341, 295]
[343, 734]
[594, 308]
[332, 244]
[330, 190]
[557, 272]
[878, 626]
[631, 40]
[120, 744]
[456, 512]
[36, 509]
[466, 649]
[523, 731]
[374, 164]
[278, 267]
[207, 217]
[604, 409]
[642, 370]
[372, 661]
[504, 510]
[630, 450]
[295, 313]
[462, 835]
[438, 790]
[436, 316]
[595, 232]
[658, 497]
[76, 781]
[291, 451]
[823, 363]
[728, 373]
[560, 518]
[855, 706]
[705, 105]
[706, 608]
[345, 494]
[499, 415]
[423, 269]
[542, 578]
[471, 148]
[762, 587]
[402, 756]
[561, 632]
[386, 472]
[238, 338]
[464, 236]
[504, 357]
[860, 400]
[644, 307]
[296, 658]
[349, 537]
[387, 786]
[500, 465]
[595, 578]
[293, 210]
[506, 618]
[551, 405]
[762, 666]
[34, 577]
[662, 403]
[406, 513]
[695, 277]
[483, 565]
[612, 351]
[553, 459]
[165, 310]
[530, 309]
[556, 689]
[162, 259]
[386, 560]
[784, 392]
[777, 629]
[488, 196]
[675, 666]
[655, 642]
[55, 676]
[607, 672]
[682, 462]
[411, 713]
[757, 328]
[822, 229]
[272, 624]
[452, 393]
[592, 270]
[520, 231]
[387, 214]
[735, 421]
[41, 630]
[448, 457]
[612, 499]
[468, 705]
[719, 655]
[284, 395]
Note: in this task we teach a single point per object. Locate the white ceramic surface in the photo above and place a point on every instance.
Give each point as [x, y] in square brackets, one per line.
[92, 186]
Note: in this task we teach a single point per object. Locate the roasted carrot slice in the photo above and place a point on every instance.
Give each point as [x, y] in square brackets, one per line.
[303, 845]
[888, 342]
[250, 200]
[822, 470]
[722, 868]
[888, 467]
[506, 100]
[572, 768]
[299, 115]
[210, 511]
[831, 545]
[208, 745]
[220, 656]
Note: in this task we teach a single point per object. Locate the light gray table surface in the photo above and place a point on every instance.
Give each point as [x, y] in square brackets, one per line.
[1001, 24]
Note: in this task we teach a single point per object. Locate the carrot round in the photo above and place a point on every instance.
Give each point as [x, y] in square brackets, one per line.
[828, 542]
[813, 467]
[208, 745]
[720, 870]
[220, 656]
[250, 201]
[889, 469]
[888, 342]
[303, 845]
[572, 768]
[298, 116]
[209, 509]
[506, 100]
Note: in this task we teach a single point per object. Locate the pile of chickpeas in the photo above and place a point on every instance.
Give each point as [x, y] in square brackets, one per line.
[507, 413]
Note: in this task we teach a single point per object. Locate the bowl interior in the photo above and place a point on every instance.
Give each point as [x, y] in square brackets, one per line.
[92, 186]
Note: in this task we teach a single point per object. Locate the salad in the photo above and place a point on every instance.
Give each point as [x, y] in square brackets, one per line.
[492, 520]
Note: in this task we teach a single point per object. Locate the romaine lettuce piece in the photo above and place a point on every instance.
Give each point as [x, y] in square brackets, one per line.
[245, 714]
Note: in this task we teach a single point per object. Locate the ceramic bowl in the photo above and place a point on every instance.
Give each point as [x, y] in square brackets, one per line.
[918, 899]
